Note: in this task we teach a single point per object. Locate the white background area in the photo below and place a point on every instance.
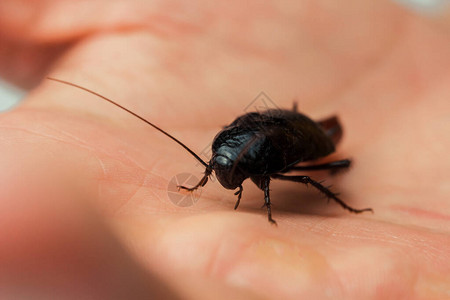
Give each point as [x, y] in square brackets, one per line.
[9, 95]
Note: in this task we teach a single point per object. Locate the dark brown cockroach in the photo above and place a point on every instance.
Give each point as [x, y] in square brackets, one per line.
[264, 146]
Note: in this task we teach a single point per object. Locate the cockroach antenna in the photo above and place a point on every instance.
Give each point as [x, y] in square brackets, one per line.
[134, 114]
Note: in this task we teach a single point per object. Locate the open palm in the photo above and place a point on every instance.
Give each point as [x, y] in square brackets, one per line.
[83, 178]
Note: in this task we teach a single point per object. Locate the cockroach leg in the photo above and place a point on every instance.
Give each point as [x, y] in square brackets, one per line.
[239, 194]
[334, 165]
[265, 185]
[201, 183]
[322, 189]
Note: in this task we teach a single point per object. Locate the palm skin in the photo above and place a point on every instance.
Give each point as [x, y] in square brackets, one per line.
[84, 164]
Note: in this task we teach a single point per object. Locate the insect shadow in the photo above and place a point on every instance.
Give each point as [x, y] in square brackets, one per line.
[264, 146]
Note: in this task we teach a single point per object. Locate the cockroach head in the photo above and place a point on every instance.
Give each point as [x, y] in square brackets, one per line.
[229, 176]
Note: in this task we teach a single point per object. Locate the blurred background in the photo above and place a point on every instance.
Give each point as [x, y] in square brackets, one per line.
[9, 95]
[436, 9]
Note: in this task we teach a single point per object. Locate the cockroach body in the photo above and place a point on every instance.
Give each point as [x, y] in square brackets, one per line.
[264, 146]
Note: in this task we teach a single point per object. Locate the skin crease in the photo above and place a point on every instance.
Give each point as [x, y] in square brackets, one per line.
[78, 171]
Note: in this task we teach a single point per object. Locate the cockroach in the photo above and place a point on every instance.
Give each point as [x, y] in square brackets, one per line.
[263, 146]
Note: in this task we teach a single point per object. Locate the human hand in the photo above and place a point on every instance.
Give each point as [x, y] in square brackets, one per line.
[74, 162]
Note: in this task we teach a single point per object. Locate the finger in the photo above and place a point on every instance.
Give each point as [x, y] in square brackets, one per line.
[352, 258]
[25, 63]
[34, 33]
[51, 20]
[325, 65]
